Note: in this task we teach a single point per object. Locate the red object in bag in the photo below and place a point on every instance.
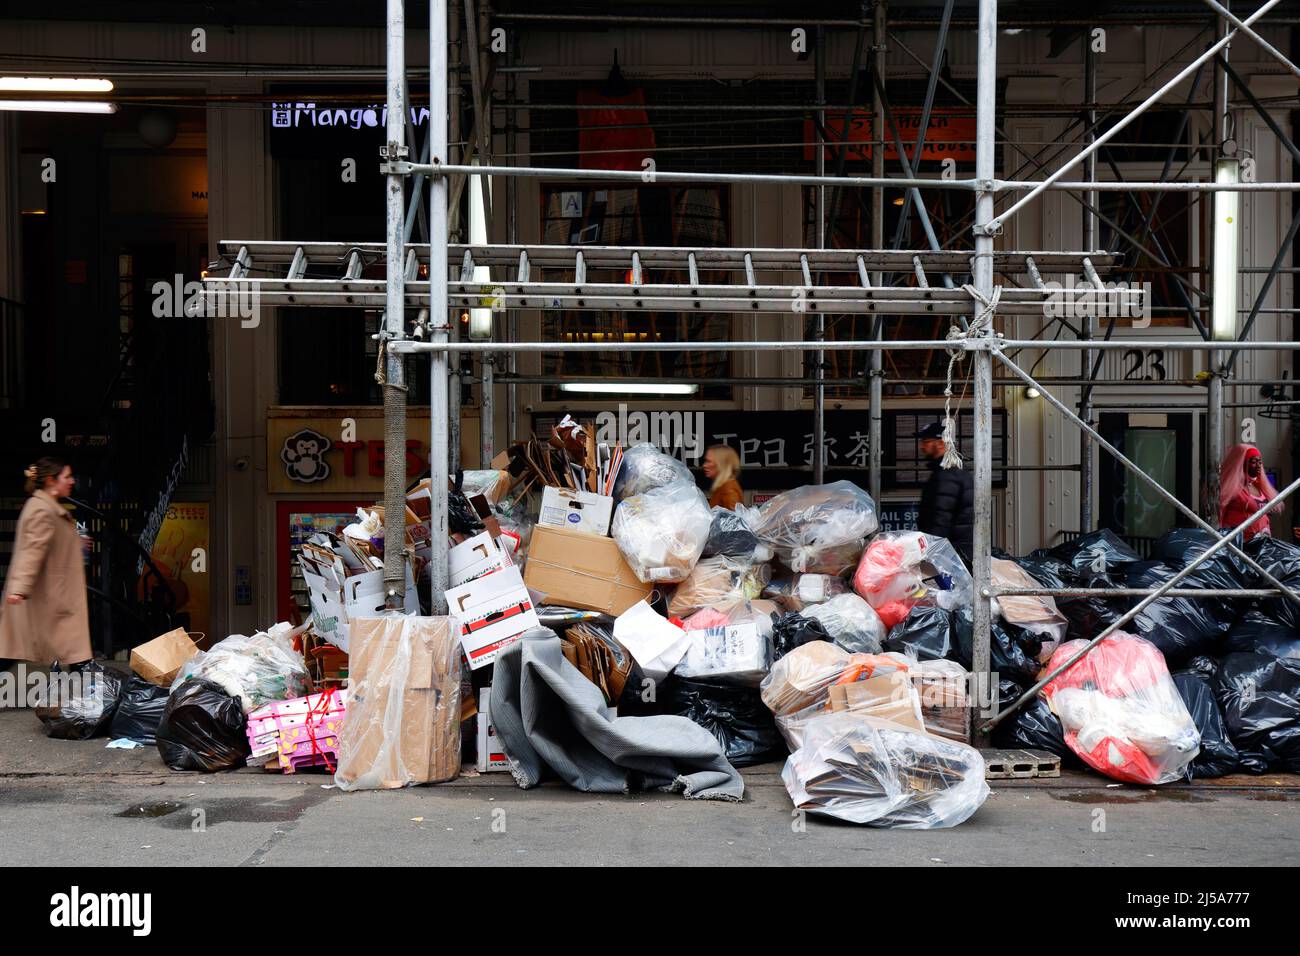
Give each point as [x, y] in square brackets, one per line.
[894, 612]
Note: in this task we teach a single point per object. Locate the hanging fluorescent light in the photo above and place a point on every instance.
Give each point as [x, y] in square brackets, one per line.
[630, 388]
[1227, 250]
[54, 84]
[480, 320]
[56, 106]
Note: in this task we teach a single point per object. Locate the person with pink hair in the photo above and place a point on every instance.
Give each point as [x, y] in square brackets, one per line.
[1244, 488]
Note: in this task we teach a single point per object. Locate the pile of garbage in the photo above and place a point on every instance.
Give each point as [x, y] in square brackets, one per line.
[607, 628]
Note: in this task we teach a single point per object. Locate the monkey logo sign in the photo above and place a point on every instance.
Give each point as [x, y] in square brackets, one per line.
[303, 455]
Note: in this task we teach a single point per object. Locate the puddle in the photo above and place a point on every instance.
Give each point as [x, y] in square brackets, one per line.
[1130, 796]
[150, 810]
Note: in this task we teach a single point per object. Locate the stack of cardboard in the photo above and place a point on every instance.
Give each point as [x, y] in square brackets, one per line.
[298, 733]
[345, 581]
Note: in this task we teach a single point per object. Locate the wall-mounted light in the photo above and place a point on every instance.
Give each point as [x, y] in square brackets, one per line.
[1227, 251]
[54, 84]
[631, 388]
[56, 106]
[1032, 393]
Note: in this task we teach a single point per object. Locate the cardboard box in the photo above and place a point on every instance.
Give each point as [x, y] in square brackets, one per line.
[576, 510]
[945, 705]
[494, 611]
[887, 696]
[337, 597]
[160, 660]
[573, 569]
[476, 558]
[490, 756]
[403, 717]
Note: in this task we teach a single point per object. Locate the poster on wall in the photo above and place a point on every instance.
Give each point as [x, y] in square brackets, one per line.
[182, 554]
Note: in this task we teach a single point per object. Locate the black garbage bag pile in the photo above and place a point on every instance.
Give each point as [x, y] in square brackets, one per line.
[1257, 632]
[730, 536]
[1032, 727]
[1088, 616]
[1260, 698]
[736, 716]
[1282, 560]
[202, 728]
[80, 703]
[1218, 755]
[1013, 650]
[791, 630]
[139, 711]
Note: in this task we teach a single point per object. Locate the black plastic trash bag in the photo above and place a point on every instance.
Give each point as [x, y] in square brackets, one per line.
[1013, 650]
[1218, 756]
[461, 516]
[1260, 697]
[203, 728]
[736, 716]
[139, 711]
[1180, 547]
[1182, 628]
[1282, 560]
[1087, 616]
[80, 703]
[1099, 552]
[926, 634]
[1032, 727]
[791, 630]
[1257, 633]
[730, 536]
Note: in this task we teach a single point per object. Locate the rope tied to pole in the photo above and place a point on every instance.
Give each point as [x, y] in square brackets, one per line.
[381, 356]
[982, 325]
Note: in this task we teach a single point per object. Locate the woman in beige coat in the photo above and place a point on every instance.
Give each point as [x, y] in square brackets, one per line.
[43, 616]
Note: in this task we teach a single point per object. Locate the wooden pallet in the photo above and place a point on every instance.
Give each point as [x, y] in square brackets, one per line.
[1020, 764]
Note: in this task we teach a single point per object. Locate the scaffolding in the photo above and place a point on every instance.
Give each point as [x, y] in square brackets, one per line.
[433, 278]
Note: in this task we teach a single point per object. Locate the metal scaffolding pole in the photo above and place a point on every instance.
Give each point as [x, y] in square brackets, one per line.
[1214, 394]
[1086, 326]
[982, 274]
[819, 356]
[875, 425]
[393, 363]
[439, 458]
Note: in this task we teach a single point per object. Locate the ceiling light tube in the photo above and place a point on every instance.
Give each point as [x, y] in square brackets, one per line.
[630, 388]
[1227, 251]
[56, 106]
[54, 84]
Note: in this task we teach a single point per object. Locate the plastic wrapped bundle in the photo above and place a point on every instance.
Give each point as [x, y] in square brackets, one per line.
[644, 468]
[1260, 697]
[661, 533]
[203, 728]
[1218, 756]
[818, 528]
[1122, 713]
[717, 580]
[730, 536]
[878, 773]
[850, 622]
[80, 703]
[257, 670]
[899, 570]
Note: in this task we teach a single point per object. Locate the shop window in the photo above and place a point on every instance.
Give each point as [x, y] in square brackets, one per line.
[636, 217]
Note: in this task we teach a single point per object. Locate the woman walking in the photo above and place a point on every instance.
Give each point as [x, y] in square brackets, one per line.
[722, 468]
[43, 615]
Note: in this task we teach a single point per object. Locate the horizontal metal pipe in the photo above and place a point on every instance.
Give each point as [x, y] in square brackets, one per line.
[966, 345]
[1138, 592]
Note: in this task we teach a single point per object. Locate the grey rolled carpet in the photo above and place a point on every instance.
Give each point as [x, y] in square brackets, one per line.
[553, 721]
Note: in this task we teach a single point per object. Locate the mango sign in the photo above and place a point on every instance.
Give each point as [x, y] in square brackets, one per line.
[951, 135]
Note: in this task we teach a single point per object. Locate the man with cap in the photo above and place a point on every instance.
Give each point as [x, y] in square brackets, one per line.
[947, 507]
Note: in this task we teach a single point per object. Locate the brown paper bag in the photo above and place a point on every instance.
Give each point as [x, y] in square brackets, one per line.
[160, 660]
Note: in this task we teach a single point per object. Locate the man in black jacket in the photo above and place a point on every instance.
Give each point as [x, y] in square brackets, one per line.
[948, 502]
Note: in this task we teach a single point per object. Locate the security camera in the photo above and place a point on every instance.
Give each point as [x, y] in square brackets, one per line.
[243, 463]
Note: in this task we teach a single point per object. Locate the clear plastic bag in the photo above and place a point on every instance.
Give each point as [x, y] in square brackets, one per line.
[661, 533]
[737, 652]
[1121, 712]
[730, 536]
[257, 670]
[798, 591]
[644, 468]
[717, 580]
[851, 622]
[818, 528]
[900, 569]
[1037, 613]
[878, 773]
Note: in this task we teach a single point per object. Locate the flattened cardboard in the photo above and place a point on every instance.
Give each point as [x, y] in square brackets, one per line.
[889, 697]
[475, 558]
[573, 569]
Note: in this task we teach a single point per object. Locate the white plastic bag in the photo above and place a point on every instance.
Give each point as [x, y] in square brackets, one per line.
[818, 528]
[851, 622]
[644, 468]
[661, 533]
[871, 771]
[257, 670]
